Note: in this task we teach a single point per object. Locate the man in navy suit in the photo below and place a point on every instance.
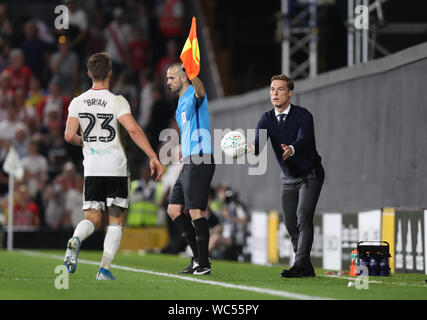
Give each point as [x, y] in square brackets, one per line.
[291, 131]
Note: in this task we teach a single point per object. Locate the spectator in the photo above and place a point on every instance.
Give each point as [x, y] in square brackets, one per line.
[139, 49]
[211, 210]
[57, 154]
[54, 199]
[6, 93]
[171, 57]
[64, 65]
[145, 99]
[145, 196]
[5, 25]
[19, 106]
[160, 117]
[36, 52]
[4, 54]
[34, 97]
[228, 238]
[118, 35]
[141, 17]
[4, 105]
[20, 73]
[38, 198]
[21, 141]
[96, 42]
[74, 202]
[44, 32]
[35, 167]
[9, 125]
[25, 211]
[171, 18]
[78, 28]
[56, 102]
[125, 87]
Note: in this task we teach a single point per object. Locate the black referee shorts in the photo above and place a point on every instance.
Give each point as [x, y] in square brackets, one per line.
[192, 187]
[101, 192]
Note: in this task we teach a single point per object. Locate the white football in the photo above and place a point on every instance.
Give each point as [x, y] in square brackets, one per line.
[233, 144]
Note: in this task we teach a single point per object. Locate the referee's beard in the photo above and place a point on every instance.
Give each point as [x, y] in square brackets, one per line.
[176, 89]
[179, 90]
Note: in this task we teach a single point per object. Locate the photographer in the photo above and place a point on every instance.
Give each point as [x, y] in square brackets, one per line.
[229, 236]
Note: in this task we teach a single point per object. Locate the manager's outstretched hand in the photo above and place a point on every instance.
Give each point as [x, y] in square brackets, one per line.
[287, 151]
[250, 148]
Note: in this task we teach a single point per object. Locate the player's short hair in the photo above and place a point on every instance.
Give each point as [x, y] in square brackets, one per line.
[99, 65]
[284, 77]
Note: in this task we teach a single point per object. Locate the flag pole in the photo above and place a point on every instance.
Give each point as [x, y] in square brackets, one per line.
[13, 167]
[10, 214]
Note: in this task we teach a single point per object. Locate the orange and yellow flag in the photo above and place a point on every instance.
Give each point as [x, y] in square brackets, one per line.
[190, 55]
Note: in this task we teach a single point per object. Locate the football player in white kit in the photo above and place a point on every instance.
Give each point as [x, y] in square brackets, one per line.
[99, 113]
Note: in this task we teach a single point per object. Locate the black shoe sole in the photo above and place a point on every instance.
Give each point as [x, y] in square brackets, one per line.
[186, 272]
[206, 272]
[298, 276]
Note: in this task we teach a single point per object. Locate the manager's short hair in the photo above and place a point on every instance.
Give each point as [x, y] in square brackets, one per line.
[284, 77]
[99, 65]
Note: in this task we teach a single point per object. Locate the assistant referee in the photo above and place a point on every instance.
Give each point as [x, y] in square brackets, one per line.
[191, 190]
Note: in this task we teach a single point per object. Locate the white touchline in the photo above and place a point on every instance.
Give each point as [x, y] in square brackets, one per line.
[279, 293]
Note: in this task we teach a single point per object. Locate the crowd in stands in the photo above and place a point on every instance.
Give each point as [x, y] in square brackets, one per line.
[43, 68]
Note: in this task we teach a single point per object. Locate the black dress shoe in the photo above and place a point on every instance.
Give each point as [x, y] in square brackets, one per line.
[310, 271]
[284, 273]
[293, 272]
[298, 272]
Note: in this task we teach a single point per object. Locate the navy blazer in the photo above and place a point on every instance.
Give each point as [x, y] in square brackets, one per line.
[298, 131]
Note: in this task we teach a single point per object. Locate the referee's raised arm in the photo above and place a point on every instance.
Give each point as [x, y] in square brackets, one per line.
[199, 88]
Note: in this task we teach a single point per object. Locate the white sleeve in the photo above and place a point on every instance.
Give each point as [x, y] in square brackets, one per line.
[123, 106]
[68, 199]
[72, 109]
[83, 21]
[43, 164]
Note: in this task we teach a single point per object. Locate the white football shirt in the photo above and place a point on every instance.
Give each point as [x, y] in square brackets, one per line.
[98, 112]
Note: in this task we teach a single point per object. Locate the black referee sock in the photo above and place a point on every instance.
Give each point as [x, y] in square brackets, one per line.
[202, 239]
[186, 228]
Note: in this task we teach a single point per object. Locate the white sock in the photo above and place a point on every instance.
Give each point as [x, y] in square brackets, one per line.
[84, 229]
[111, 244]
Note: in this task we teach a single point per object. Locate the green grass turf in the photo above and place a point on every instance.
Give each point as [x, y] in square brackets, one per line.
[32, 277]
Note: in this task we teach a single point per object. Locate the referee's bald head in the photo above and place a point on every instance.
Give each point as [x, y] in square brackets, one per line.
[178, 68]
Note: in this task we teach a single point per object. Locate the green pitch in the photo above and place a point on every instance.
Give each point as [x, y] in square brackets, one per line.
[31, 275]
